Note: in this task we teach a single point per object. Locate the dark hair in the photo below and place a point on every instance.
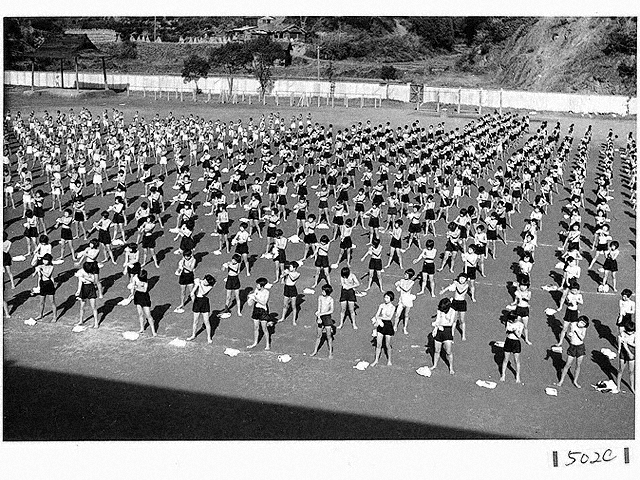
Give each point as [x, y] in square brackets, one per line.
[105, 214]
[237, 257]
[625, 293]
[410, 271]
[585, 319]
[43, 239]
[324, 239]
[430, 244]
[262, 281]
[328, 289]
[210, 279]
[390, 294]
[47, 257]
[444, 305]
[143, 275]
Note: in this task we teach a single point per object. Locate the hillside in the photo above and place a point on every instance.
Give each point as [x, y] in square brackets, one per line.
[569, 55]
[583, 55]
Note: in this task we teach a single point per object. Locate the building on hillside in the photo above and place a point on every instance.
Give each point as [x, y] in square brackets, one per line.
[272, 27]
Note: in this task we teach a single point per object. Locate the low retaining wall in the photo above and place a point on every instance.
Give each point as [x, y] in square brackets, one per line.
[542, 101]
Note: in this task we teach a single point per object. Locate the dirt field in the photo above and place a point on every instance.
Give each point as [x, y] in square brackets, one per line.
[95, 385]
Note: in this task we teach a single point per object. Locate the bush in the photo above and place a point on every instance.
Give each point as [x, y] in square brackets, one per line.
[622, 38]
[127, 50]
[388, 72]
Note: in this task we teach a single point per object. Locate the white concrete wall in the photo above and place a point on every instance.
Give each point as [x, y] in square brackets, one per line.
[541, 101]
[555, 102]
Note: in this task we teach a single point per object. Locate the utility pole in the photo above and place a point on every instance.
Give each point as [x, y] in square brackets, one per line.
[318, 47]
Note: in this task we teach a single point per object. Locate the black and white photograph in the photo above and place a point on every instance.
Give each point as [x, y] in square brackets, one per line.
[400, 244]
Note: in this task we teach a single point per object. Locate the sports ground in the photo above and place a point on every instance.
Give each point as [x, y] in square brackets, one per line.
[96, 385]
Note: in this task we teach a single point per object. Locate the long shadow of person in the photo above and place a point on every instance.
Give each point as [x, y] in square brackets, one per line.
[555, 325]
[106, 308]
[158, 312]
[108, 282]
[604, 331]
[498, 355]
[604, 363]
[68, 304]
[557, 361]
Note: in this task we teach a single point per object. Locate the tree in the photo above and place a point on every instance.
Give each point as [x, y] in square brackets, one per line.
[330, 73]
[268, 50]
[232, 58]
[388, 72]
[195, 68]
[262, 71]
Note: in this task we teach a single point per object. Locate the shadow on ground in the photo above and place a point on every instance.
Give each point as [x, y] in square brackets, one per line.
[44, 405]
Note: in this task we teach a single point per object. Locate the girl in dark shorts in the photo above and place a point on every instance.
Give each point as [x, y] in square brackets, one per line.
[119, 217]
[87, 291]
[383, 321]
[443, 333]
[241, 242]
[104, 237]
[201, 305]
[428, 271]
[322, 260]
[627, 354]
[375, 263]
[148, 240]
[453, 246]
[310, 238]
[459, 287]
[512, 346]
[611, 264]
[576, 349]
[349, 282]
[79, 217]
[186, 236]
[374, 222]
[572, 300]
[346, 243]
[359, 207]
[46, 285]
[279, 253]
[395, 247]
[6, 258]
[140, 289]
[289, 278]
[324, 321]
[66, 236]
[272, 226]
[131, 264]
[186, 276]
[260, 314]
[232, 282]
[90, 256]
[31, 231]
